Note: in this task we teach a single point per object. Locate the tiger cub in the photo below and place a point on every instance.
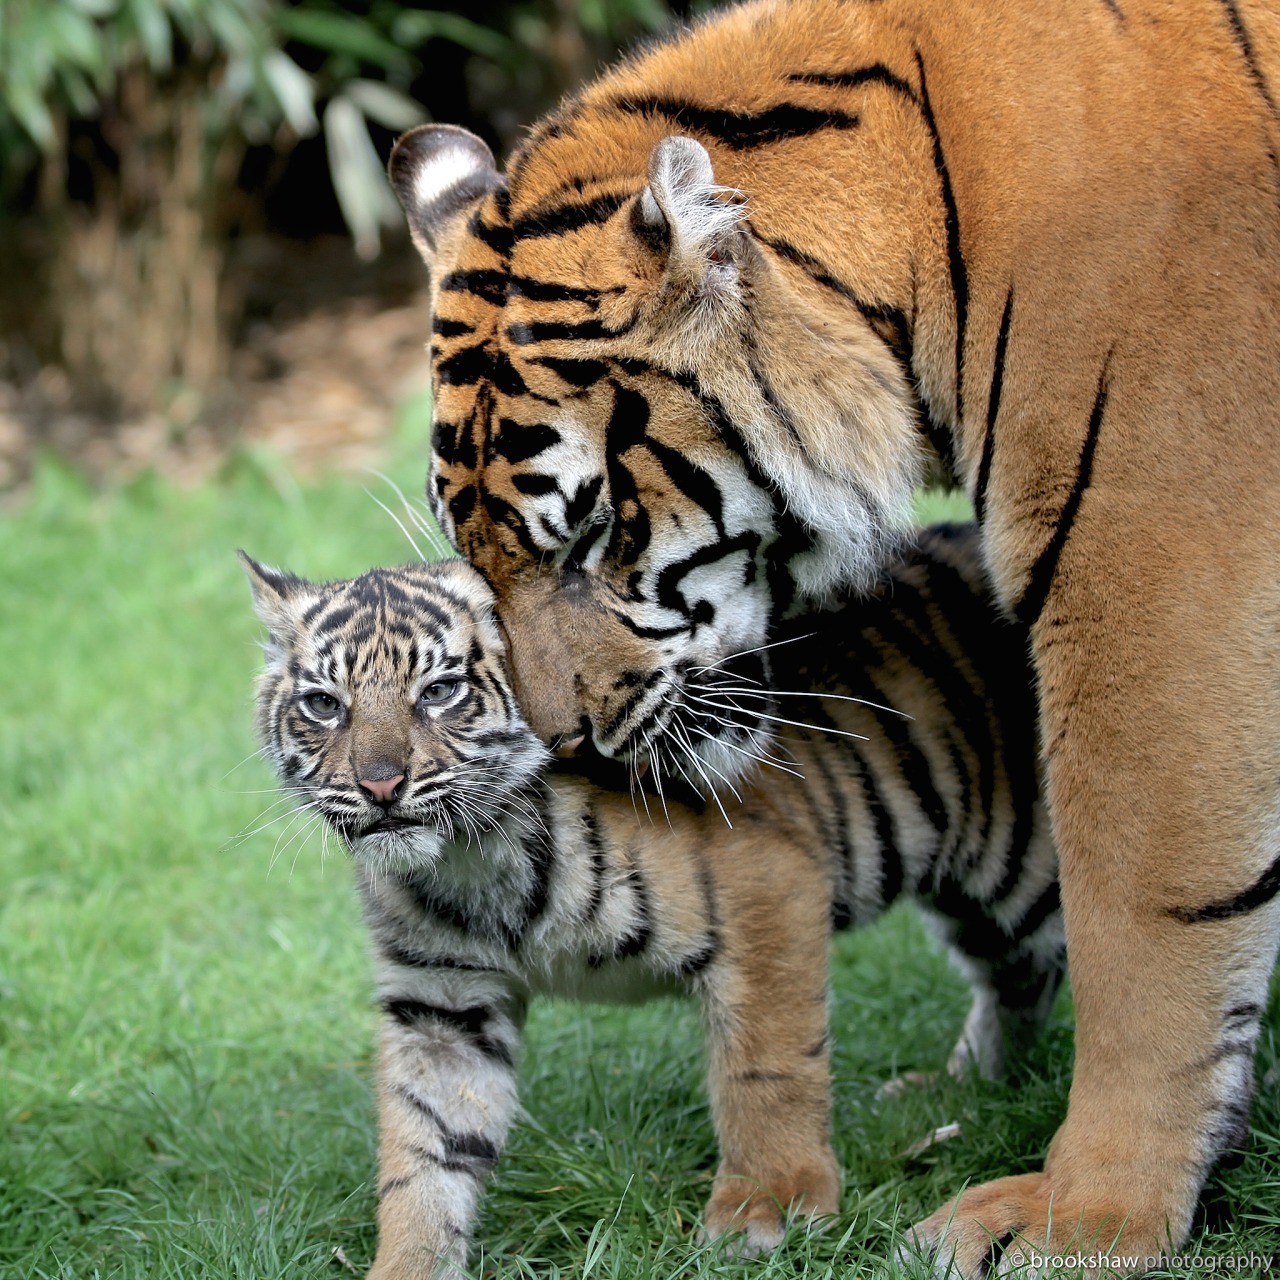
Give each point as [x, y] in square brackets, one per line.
[490, 874]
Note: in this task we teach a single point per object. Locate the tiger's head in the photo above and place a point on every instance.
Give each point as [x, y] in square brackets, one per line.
[385, 704]
[643, 421]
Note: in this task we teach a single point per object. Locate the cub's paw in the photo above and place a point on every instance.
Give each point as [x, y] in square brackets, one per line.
[752, 1217]
[1017, 1227]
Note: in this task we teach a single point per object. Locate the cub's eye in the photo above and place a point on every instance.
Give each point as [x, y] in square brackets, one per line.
[438, 691]
[323, 705]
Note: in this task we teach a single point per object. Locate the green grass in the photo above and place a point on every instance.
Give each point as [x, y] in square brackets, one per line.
[185, 1018]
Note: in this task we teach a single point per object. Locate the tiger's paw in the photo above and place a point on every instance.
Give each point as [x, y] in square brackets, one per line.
[1017, 1227]
[752, 1218]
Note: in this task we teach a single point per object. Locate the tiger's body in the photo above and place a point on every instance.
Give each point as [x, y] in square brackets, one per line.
[691, 350]
[487, 881]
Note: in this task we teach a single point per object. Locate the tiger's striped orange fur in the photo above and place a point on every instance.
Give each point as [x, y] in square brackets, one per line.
[691, 349]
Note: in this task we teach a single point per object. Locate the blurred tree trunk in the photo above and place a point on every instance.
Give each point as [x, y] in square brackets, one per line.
[136, 284]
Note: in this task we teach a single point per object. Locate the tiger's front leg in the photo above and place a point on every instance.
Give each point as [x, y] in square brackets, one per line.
[764, 1004]
[446, 1098]
[1164, 785]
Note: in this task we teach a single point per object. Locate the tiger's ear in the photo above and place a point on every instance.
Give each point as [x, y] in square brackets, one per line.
[277, 598]
[438, 170]
[683, 212]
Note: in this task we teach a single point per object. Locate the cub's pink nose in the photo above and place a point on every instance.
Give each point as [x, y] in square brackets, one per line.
[382, 790]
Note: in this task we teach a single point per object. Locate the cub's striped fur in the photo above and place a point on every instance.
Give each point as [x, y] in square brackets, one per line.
[486, 879]
[692, 346]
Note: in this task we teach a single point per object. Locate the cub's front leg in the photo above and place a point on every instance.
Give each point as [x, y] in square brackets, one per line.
[764, 1000]
[446, 1098]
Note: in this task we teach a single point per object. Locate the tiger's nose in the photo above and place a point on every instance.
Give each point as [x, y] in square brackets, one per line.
[383, 791]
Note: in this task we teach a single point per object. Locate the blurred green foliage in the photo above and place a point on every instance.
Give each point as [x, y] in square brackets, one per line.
[61, 57]
[140, 140]
[60, 60]
[264, 64]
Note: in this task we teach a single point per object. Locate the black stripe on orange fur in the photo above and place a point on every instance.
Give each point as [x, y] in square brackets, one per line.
[876, 74]
[740, 130]
[955, 258]
[1258, 894]
[993, 411]
[1040, 581]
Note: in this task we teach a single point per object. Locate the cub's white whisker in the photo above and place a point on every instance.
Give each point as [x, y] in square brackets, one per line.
[240, 837]
[299, 829]
[253, 755]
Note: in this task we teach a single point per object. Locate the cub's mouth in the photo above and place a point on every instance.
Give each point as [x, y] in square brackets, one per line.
[354, 829]
[389, 824]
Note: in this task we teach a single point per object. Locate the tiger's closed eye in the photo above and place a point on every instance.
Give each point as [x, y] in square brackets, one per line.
[322, 705]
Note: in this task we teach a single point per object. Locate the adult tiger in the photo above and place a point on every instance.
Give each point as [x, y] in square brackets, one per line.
[685, 356]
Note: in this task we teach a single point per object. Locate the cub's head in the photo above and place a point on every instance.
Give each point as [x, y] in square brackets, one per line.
[640, 402]
[385, 704]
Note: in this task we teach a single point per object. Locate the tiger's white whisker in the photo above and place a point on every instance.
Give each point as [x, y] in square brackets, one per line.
[697, 764]
[760, 648]
[435, 537]
[795, 724]
[399, 523]
[779, 694]
[656, 765]
[759, 754]
[751, 755]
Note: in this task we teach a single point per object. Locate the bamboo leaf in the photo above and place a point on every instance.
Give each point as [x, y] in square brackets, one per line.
[154, 32]
[32, 114]
[413, 27]
[75, 39]
[389, 107]
[293, 90]
[340, 33]
[79, 92]
[96, 8]
[359, 178]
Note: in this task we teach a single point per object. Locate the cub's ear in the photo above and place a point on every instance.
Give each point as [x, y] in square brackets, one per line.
[277, 596]
[685, 215]
[438, 170]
